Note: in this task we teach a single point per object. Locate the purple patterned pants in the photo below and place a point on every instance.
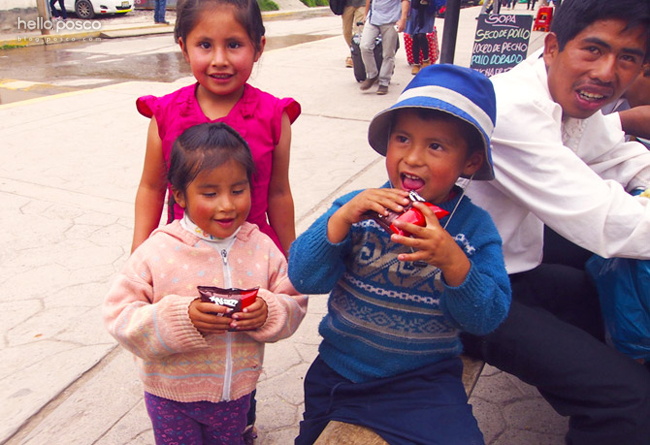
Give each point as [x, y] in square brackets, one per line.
[197, 423]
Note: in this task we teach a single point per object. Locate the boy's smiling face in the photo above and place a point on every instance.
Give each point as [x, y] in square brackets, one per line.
[428, 155]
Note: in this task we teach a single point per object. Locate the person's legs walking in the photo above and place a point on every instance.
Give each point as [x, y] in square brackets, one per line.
[53, 10]
[347, 22]
[63, 13]
[159, 11]
[370, 33]
[389, 39]
[424, 48]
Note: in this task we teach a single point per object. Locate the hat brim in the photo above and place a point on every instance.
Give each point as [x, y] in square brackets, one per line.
[379, 129]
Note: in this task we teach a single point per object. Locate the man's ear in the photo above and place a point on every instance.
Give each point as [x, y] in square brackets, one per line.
[181, 43]
[179, 197]
[551, 48]
[473, 163]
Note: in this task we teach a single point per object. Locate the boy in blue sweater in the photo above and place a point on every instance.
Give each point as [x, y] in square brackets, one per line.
[389, 359]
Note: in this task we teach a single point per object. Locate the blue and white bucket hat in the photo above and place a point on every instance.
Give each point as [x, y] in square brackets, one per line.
[461, 92]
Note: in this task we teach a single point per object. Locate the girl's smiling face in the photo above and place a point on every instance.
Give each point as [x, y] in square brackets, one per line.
[428, 155]
[220, 52]
[218, 200]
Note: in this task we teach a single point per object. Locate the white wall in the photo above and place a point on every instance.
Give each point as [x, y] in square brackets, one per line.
[6, 5]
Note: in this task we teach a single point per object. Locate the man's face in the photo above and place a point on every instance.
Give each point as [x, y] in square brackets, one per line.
[595, 67]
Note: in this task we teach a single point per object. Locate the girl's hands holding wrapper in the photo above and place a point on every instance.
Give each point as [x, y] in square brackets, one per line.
[222, 310]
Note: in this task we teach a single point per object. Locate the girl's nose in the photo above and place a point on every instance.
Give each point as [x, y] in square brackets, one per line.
[219, 57]
[226, 204]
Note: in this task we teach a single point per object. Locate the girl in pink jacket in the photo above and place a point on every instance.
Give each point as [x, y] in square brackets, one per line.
[199, 361]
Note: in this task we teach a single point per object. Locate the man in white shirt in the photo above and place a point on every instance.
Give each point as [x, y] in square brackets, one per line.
[559, 162]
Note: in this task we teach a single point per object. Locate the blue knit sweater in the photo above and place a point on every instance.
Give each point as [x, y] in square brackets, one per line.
[386, 317]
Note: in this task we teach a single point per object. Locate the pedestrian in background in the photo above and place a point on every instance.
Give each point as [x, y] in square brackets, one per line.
[384, 18]
[56, 14]
[352, 14]
[160, 8]
[420, 22]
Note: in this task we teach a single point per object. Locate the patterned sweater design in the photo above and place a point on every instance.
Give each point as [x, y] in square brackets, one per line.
[387, 317]
[146, 310]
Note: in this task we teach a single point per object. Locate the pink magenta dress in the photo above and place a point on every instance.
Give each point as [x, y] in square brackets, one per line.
[257, 116]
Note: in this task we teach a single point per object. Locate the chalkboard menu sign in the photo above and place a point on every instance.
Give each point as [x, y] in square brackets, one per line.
[501, 42]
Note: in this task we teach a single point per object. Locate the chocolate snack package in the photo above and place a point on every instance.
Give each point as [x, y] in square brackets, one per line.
[410, 215]
[235, 299]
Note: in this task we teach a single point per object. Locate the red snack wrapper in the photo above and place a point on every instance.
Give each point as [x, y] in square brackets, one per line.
[410, 215]
[235, 299]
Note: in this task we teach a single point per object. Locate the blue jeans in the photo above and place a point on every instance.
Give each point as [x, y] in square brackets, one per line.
[159, 11]
[56, 13]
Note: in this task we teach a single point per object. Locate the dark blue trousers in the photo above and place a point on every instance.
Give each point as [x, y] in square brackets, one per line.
[553, 339]
[424, 406]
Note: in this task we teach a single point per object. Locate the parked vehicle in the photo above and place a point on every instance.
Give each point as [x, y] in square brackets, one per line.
[87, 9]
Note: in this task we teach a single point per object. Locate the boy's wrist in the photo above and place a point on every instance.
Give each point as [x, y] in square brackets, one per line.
[337, 227]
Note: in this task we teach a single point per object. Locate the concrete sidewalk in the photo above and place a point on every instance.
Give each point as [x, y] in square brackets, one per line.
[68, 217]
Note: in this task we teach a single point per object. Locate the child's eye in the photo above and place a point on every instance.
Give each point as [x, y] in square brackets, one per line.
[238, 192]
[209, 195]
[435, 146]
[234, 45]
[204, 45]
[400, 139]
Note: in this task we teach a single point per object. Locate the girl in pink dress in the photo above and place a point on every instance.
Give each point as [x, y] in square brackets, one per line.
[221, 40]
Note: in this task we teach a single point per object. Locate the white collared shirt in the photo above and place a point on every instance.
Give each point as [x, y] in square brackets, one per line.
[570, 175]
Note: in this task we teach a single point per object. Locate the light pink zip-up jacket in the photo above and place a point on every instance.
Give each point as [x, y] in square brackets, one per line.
[146, 310]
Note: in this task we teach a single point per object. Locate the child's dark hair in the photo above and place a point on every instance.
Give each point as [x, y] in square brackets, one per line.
[471, 135]
[204, 147]
[573, 16]
[247, 13]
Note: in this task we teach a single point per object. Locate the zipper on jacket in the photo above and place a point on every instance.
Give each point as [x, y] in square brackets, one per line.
[227, 378]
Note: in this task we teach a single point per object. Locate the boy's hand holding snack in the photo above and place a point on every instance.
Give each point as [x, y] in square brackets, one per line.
[433, 245]
[369, 200]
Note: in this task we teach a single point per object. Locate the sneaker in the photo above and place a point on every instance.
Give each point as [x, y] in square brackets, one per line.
[415, 69]
[383, 89]
[366, 84]
[348, 63]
